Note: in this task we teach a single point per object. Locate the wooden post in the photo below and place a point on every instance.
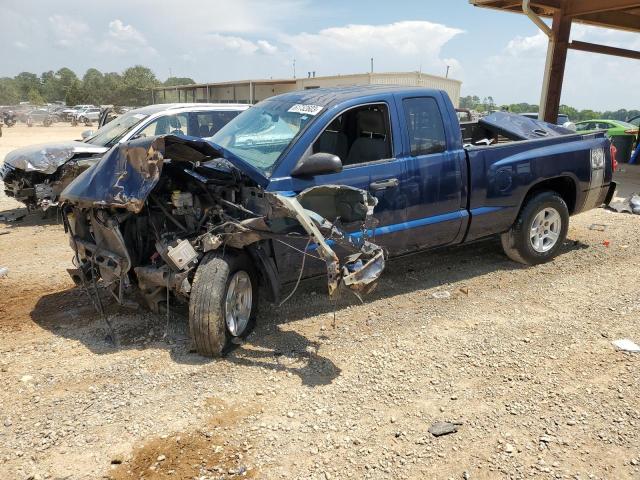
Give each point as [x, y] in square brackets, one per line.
[554, 68]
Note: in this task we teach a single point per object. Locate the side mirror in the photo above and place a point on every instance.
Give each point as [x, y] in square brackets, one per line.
[86, 134]
[317, 164]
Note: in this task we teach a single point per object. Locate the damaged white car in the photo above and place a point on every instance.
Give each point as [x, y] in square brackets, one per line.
[36, 175]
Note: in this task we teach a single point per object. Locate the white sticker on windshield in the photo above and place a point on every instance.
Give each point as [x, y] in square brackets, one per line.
[305, 109]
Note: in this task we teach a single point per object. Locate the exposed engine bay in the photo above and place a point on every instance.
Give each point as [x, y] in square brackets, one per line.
[144, 216]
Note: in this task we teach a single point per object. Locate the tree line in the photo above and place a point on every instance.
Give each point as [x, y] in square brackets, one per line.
[131, 87]
[473, 102]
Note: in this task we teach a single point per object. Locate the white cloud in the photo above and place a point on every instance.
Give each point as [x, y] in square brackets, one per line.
[515, 74]
[20, 45]
[240, 45]
[396, 46]
[67, 31]
[122, 38]
[125, 33]
[266, 47]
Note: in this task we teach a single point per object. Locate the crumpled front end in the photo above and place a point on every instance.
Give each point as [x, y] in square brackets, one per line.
[145, 216]
[37, 175]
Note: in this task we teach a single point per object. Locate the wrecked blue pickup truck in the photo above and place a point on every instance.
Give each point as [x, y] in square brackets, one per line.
[322, 181]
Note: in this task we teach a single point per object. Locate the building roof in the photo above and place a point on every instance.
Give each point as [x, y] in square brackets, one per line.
[618, 14]
[262, 81]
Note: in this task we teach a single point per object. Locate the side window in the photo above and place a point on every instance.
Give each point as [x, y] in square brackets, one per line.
[358, 135]
[424, 122]
[581, 127]
[206, 124]
[174, 124]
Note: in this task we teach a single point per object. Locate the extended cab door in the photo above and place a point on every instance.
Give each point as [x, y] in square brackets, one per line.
[436, 171]
[367, 140]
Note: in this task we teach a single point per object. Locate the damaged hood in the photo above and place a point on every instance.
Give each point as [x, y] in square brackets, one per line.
[519, 127]
[47, 158]
[127, 174]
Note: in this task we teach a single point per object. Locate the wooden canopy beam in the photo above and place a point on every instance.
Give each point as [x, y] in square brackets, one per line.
[618, 20]
[585, 7]
[555, 66]
[603, 49]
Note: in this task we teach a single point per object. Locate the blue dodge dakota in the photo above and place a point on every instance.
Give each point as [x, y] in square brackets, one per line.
[334, 180]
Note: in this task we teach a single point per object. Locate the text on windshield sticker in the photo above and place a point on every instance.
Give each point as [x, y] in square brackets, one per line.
[305, 109]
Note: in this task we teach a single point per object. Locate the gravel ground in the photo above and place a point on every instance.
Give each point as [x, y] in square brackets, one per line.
[520, 358]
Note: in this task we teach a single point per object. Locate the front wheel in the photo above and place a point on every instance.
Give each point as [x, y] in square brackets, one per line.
[223, 302]
[539, 231]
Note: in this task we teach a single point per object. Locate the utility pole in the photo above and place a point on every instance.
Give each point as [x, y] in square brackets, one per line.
[447, 74]
[294, 68]
[371, 64]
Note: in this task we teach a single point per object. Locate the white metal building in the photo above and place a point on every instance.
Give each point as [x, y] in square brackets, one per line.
[253, 91]
[407, 79]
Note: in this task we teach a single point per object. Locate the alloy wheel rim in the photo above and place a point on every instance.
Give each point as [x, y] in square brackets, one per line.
[238, 303]
[545, 230]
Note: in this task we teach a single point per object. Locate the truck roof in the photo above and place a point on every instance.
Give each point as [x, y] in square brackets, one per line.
[326, 97]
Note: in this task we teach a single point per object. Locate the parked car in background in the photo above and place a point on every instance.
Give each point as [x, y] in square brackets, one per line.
[350, 174]
[36, 175]
[41, 115]
[622, 134]
[68, 113]
[86, 115]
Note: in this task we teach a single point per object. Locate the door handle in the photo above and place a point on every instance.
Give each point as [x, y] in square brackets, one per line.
[384, 184]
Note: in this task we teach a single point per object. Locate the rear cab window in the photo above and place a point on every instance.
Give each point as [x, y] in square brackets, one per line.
[424, 125]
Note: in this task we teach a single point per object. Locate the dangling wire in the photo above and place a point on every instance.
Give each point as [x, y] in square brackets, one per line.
[304, 258]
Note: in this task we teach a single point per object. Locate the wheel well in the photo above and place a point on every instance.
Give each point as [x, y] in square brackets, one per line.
[563, 186]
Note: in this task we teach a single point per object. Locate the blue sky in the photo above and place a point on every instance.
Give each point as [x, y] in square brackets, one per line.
[493, 53]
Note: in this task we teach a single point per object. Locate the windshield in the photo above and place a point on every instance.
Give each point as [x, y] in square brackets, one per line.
[109, 134]
[260, 134]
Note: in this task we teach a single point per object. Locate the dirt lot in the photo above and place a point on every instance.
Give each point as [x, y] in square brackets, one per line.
[521, 357]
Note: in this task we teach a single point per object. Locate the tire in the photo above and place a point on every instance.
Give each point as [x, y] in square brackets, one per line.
[210, 332]
[46, 122]
[520, 243]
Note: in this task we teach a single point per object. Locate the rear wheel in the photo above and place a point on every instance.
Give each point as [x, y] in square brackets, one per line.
[539, 231]
[223, 302]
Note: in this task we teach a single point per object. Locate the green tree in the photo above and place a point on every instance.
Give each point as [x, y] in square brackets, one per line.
[112, 85]
[25, 82]
[174, 81]
[34, 97]
[9, 93]
[51, 88]
[93, 87]
[67, 79]
[75, 94]
[137, 83]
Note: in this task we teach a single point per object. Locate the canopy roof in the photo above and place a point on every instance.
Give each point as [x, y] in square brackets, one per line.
[618, 14]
